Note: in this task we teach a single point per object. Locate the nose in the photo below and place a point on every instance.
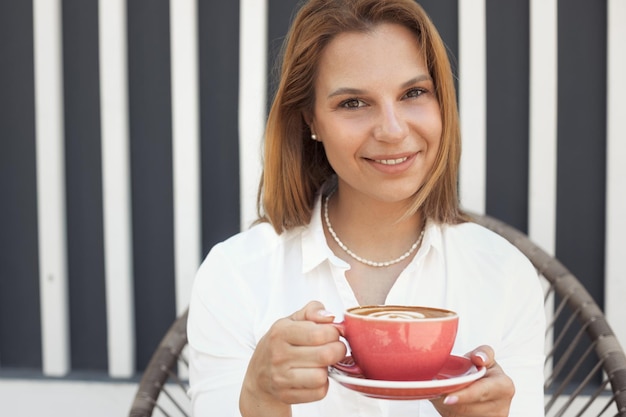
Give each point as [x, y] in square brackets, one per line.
[391, 126]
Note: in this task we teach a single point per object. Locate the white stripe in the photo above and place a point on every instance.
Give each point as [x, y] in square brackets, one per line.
[51, 213]
[185, 146]
[616, 169]
[543, 123]
[543, 136]
[252, 92]
[472, 103]
[118, 254]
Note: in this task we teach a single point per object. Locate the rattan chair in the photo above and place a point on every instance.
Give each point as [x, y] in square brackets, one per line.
[162, 377]
[585, 364]
[585, 371]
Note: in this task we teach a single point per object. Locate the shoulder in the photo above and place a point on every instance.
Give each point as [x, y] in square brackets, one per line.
[256, 243]
[477, 239]
[484, 264]
[473, 249]
[239, 266]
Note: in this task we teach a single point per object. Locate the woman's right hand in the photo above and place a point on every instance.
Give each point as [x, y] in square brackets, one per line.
[290, 363]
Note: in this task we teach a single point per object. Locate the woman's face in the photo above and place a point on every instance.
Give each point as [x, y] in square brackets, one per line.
[376, 113]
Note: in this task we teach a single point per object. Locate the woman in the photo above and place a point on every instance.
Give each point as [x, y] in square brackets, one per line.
[358, 205]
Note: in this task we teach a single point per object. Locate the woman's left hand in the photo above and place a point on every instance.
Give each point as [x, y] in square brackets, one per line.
[490, 396]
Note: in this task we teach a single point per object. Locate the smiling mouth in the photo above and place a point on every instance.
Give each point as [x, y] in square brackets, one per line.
[391, 161]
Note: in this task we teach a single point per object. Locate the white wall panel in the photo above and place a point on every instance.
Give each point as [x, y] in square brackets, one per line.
[615, 280]
[472, 104]
[185, 146]
[116, 187]
[51, 187]
[252, 99]
[543, 124]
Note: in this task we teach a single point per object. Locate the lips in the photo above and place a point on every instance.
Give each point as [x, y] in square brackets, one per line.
[395, 161]
[392, 163]
[392, 159]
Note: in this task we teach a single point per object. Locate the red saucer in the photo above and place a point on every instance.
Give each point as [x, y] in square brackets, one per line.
[457, 373]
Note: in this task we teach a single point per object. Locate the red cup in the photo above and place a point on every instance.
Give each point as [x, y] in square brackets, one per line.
[398, 343]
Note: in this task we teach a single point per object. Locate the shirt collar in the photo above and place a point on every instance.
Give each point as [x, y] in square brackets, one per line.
[315, 249]
[433, 235]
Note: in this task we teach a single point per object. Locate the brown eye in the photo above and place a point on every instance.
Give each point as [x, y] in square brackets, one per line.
[352, 103]
[415, 92]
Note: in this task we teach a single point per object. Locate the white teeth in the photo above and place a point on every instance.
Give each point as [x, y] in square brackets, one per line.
[392, 161]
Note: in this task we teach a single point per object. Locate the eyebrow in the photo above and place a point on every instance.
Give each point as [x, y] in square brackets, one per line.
[345, 91]
[355, 91]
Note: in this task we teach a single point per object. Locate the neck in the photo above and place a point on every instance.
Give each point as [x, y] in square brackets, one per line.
[363, 214]
[372, 230]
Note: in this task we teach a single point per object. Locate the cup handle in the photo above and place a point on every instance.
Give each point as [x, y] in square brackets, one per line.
[341, 327]
[347, 364]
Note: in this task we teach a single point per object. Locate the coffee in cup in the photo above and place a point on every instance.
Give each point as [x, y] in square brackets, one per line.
[398, 343]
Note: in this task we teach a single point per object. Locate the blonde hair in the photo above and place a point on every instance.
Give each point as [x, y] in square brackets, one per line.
[296, 167]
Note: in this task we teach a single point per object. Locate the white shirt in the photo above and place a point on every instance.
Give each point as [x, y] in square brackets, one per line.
[256, 277]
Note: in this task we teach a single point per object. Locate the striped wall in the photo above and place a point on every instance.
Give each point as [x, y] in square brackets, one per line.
[130, 135]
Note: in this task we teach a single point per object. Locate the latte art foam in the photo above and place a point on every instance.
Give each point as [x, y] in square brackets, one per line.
[401, 312]
[397, 315]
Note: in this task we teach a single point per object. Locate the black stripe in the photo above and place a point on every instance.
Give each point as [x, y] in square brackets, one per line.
[20, 338]
[84, 185]
[280, 13]
[507, 110]
[582, 141]
[151, 171]
[445, 16]
[582, 145]
[218, 29]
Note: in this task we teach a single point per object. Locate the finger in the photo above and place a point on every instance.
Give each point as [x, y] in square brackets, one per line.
[307, 378]
[301, 353]
[494, 387]
[318, 356]
[303, 395]
[313, 311]
[483, 409]
[301, 384]
[306, 333]
[483, 356]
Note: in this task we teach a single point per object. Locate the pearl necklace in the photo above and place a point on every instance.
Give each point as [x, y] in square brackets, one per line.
[357, 257]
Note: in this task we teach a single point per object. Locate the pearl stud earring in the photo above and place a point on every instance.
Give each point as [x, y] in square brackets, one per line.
[313, 136]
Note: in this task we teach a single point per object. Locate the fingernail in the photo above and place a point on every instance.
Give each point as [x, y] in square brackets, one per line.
[450, 399]
[482, 355]
[325, 313]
